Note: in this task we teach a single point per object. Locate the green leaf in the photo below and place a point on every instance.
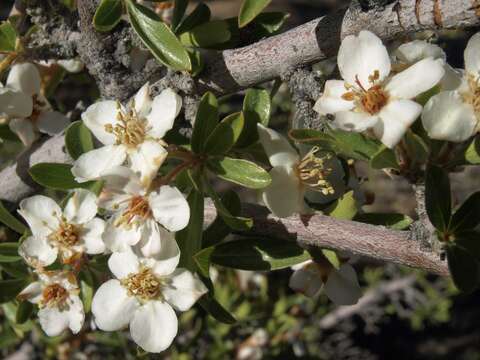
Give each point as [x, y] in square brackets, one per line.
[205, 121]
[202, 261]
[269, 23]
[8, 37]
[463, 267]
[178, 12]
[7, 134]
[11, 288]
[78, 139]
[58, 177]
[190, 239]
[11, 221]
[158, 37]
[392, 221]
[257, 108]
[468, 214]
[225, 135]
[197, 61]
[469, 241]
[107, 15]
[9, 252]
[258, 254]
[200, 15]
[332, 258]
[384, 159]
[472, 154]
[437, 197]
[207, 35]
[344, 208]
[86, 289]
[216, 310]
[250, 10]
[239, 171]
[24, 311]
[416, 147]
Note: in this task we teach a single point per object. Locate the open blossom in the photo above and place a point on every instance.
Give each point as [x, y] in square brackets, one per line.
[454, 115]
[25, 108]
[141, 216]
[317, 177]
[69, 232]
[144, 296]
[367, 98]
[341, 286]
[133, 134]
[60, 308]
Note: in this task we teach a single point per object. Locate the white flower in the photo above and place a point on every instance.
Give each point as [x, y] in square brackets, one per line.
[136, 212]
[70, 232]
[454, 115]
[341, 286]
[27, 111]
[142, 296]
[133, 133]
[367, 98]
[317, 177]
[60, 307]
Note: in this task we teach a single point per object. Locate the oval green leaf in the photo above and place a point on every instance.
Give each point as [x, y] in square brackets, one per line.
[205, 121]
[78, 139]
[250, 9]
[225, 135]
[11, 221]
[57, 177]
[107, 15]
[239, 171]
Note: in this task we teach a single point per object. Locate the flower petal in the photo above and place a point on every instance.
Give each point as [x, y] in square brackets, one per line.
[41, 213]
[169, 208]
[97, 116]
[395, 119]
[418, 78]
[283, 196]
[25, 131]
[154, 326]
[277, 147]
[15, 103]
[143, 101]
[306, 280]
[122, 264]
[32, 293]
[76, 314]
[342, 286]
[112, 308]
[183, 289]
[331, 100]
[53, 321]
[452, 78]
[120, 238]
[52, 122]
[81, 207]
[360, 56]
[165, 108]
[120, 181]
[354, 121]
[417, 50]
[25, 78]
[472, 56]
[93, 164]
[146, 159]
[447, 117]
[37, 251]
[91, 236]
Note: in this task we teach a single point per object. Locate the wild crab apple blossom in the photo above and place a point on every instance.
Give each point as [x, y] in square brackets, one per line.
[70, 232]
[133, 134]
[368, 98]
[144, 295]
[24, 107]
[60, 307]
[454, 115]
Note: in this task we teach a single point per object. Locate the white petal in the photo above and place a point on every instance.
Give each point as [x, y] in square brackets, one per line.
[170, 208]
[331, 100]
[183, 289]
[342, 286]
[76, 314]
[143, 101]
[354, 121]
[120, 238]
[53, 321]
[283, 196]
[93, 164]
[41, 213]
[91, 236]
[112, 308]
[122, 264]
[122, 180]
[81, 207]
[165, 109]
[52, 122]
[24, 129]
[447, 117]
[146, 159]
[15, 103]
[418, 78]
[417, 50]
[154, 326]
[360, 56]
[32, 293]
[277, 147]
[37, 252]
[472, 55]
[24, 77]
[452, 78]
[97, 116]
[395, 118]
[306, 280]
[71, 65]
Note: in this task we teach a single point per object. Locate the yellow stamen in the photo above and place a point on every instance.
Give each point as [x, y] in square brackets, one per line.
[371, 100]
[138, 207]
[54, 295]
[312, 172]
[472, 97]
[131, 131]
[144, 285]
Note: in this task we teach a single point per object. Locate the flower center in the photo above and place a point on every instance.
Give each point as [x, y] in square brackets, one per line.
[54, 295]
[131, 131]
[138, 207]
[38, 107]
[66, 235]
[144, 284]
[311, 171]
[371, 100]
[472, 97]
